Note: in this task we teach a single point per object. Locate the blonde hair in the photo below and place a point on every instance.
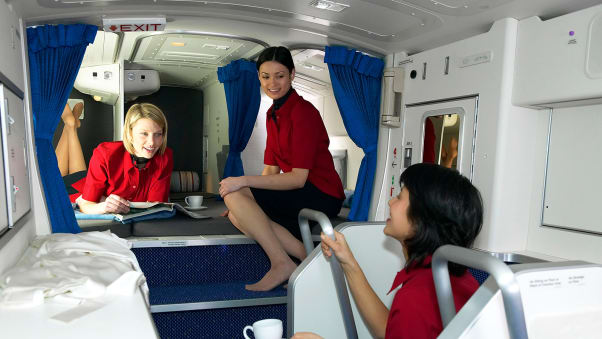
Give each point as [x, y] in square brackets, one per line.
[143, 111]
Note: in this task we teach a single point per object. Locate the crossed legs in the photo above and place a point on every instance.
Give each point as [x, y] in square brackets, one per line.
[276, 241]
[69, 154]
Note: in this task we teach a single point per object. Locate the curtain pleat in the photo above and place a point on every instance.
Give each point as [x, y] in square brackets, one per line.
[55, 55]
[356, 83]
[241, 85]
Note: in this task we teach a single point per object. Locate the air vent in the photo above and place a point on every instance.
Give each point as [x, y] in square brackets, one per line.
[328, 5]
[188, 56]
[218, 47]
[312, 67]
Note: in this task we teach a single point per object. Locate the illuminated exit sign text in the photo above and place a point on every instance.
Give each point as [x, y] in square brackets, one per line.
[133, 24]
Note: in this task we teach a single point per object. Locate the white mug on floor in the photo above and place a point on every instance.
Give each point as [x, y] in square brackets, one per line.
[194, 201]
[265, 329]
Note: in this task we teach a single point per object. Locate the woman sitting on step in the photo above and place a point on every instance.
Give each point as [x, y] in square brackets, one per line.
[436, 206]
[266, 207]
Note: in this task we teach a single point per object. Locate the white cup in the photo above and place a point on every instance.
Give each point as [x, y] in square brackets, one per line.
[194, 201]
[265, 329]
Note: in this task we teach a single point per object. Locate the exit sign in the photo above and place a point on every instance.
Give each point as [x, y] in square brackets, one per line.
[133, 24]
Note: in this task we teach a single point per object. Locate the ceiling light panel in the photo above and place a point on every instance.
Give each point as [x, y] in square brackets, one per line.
[459, 7]
[192, 48]
[329, 5]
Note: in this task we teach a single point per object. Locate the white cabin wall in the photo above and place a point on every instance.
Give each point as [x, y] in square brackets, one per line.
[552, 69]
[215, 117]
[339, 139]
[552, 241]
[505, 135]
[14, 67]
[252, 156]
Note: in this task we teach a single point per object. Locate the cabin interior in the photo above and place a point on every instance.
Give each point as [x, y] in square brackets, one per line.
[516, 84]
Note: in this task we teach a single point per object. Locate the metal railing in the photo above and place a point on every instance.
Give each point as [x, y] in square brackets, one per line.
[305, 215]
[502, 274]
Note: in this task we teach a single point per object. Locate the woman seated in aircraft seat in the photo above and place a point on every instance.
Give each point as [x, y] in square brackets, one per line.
[266, 207]
[68, 150]
[436, 206]
[135, 169]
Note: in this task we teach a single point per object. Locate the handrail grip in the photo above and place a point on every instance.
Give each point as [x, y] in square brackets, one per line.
[502, 274]
[305, 215]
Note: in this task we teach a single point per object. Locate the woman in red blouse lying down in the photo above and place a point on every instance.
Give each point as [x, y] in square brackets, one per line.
[135, 169]
[436, 206]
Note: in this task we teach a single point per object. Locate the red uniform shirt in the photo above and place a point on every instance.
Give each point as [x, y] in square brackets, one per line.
[299, 140]
[428, 154]
[415, 313]
[112, 171]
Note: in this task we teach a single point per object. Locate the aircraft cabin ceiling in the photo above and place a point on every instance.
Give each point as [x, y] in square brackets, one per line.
[189, 59]
[378, 26]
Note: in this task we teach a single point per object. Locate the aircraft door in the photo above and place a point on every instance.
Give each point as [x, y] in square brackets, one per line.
[441, 133]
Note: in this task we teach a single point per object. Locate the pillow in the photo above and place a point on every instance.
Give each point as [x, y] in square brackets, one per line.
[185, 181]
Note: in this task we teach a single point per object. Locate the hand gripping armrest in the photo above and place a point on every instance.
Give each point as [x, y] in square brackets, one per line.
[305, 215]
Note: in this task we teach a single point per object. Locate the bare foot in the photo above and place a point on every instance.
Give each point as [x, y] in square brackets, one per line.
[276, 275]
[68, 117]
[78, 109]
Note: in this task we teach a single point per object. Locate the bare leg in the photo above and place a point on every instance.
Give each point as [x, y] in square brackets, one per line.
[253, 222]
[62, 148]
[291, 245]
[76, 155]
[68, 151]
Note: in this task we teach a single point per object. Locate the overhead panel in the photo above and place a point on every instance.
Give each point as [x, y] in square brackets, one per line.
[397, 20]
[310, 68]
[458, 7]
[188, 59]
[102, 51]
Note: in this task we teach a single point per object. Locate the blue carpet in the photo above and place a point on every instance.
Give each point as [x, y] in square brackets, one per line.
[163, 295]
[218, 323]
[196, 265]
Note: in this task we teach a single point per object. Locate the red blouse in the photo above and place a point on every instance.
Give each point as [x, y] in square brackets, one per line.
[112, 171]
[298, 139]
[428, 154]
[415, 312]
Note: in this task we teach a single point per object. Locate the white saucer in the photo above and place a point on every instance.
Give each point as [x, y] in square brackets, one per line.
[195, 208]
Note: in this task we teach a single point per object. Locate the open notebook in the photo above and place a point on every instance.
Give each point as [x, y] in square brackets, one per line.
[144, 211]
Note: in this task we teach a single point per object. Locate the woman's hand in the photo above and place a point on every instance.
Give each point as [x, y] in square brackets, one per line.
[225, 213]
[231, 184]
[306, 335]
[339, 247]
[115, 204]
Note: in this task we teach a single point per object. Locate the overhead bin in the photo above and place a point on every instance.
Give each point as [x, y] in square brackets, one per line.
[101, 82]
[138, 81]
[559, 60]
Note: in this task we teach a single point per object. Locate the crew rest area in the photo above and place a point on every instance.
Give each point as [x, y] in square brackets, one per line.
[506, 92]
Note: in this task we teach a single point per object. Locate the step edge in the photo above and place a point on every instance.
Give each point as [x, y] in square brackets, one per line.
[196, 241]
[207, 305]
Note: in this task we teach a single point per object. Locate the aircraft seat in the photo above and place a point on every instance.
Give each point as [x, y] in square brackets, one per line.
[555, 300]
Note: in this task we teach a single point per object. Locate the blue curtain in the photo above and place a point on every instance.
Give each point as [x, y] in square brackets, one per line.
[241, 85]
[356, 83]
[55, 54]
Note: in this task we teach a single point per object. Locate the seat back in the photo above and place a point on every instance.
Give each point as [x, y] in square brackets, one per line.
[560, 300]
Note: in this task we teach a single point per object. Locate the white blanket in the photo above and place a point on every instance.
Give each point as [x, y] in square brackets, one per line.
[92, 267]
